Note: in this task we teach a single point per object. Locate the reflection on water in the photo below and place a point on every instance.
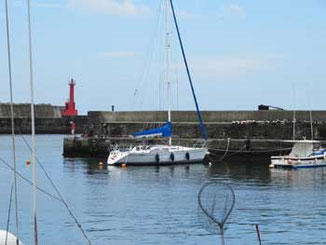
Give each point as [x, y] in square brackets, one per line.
[158, 205]
[313, 178]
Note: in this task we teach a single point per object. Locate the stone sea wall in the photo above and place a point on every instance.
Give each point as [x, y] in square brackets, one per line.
[24, 111]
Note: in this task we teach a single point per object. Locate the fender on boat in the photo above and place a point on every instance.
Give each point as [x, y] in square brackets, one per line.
[157, 158]
[172, 157]
[187, 156]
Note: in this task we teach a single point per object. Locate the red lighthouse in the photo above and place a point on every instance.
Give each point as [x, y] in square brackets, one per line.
[70, 109]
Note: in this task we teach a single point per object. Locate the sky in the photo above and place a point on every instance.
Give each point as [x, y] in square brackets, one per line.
[241, 53]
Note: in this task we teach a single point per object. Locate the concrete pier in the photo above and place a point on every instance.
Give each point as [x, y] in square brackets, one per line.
[240, 133]
[48, 120]
[248, 133]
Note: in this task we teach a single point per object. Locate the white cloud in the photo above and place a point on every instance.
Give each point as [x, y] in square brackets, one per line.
[236, 9]
[184, 14]
[117, 54]
[48, 5]
[227, 67]
[40, 4]
[115, 7]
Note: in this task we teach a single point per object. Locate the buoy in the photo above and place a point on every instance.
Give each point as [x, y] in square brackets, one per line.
[124, 165]
[28, 162]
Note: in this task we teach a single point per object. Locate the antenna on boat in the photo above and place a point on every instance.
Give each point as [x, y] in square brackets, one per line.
[294, 121]
[311, 125]
[202, 126]
[167, 56]
[33, 121]
[12, 122]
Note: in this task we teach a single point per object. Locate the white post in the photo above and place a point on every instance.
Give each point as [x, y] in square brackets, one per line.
[167, 46]
[33, 122]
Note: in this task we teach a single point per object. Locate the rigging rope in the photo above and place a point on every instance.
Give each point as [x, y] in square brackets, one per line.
[28, 181]
[12, 117]
[9, 211]
[59, 194]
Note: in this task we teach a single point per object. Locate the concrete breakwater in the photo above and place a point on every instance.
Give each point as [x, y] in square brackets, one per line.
[48, 120]
[44, 125]
[250, 133]
[24, 111]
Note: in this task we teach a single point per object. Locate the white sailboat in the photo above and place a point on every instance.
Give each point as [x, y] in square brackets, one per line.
[6, 238]
[162, 154]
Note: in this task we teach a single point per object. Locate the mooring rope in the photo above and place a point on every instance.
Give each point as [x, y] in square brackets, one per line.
[215, 155]
[262, 151]
[226, 151]
[232, 153]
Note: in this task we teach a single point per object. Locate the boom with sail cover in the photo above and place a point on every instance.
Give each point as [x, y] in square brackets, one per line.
[164, 131]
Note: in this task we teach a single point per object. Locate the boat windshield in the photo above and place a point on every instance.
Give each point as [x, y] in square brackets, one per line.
[302, 149]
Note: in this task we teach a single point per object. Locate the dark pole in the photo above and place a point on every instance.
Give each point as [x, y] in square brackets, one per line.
[202, 127]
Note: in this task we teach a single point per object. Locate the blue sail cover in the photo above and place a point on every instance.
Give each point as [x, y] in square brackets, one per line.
[164, 131]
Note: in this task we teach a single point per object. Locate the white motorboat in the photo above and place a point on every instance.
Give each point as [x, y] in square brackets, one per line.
[163, 154]
[304, 154]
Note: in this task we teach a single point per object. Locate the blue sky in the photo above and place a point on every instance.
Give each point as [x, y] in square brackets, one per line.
[241, 53]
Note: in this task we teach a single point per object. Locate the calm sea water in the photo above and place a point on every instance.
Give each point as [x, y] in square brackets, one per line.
[149, 205]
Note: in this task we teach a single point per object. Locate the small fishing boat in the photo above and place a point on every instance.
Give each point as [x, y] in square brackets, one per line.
[163, 154]
[304, 154]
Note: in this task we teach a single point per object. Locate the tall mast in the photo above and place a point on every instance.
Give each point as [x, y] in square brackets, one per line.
[12, 120]
[167, 47]
[33, 121]
[202, 126]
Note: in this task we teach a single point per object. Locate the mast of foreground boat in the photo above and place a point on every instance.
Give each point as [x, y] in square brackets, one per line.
[202, 127]
[33, 121]
[12, 123]
[167, 48]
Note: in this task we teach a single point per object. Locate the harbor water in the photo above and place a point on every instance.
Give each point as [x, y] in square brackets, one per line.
[158, 205]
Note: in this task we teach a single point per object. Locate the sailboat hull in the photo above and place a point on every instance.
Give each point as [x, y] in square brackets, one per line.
[6, 238]
[157, 155]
